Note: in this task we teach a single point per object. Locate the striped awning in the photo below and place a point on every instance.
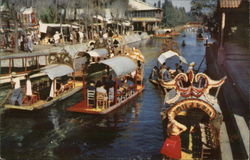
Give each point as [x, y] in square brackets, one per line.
[230, 3]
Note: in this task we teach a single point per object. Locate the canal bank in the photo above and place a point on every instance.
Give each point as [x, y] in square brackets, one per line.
[234, 108]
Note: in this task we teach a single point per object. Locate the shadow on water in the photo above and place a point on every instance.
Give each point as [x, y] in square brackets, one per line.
[134, 131]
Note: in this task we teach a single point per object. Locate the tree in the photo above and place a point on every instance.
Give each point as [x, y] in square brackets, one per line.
[173, 16]
[202, 8]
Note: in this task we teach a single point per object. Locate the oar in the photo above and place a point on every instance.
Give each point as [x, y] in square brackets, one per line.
[200, 64]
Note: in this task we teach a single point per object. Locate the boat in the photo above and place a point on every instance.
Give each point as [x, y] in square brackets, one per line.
[162, 59]
[118, 86]
[23, 64]
[199, 36]
[163, 34]
[192, 117]
[46, 91]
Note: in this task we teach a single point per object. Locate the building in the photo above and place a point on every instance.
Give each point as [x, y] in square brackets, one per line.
[233, 20]
[28, 17]
[143, 16]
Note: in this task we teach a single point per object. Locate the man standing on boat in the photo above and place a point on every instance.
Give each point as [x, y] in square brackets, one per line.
[16, 95]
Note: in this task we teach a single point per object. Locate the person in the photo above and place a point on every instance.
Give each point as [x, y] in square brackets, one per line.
[183, 43]
[191, 66]
[162, 70]
[16, 95]
[28, 87]
[56, 38]
[80, 36]
[178, 69]
[172, 145]
[155, 73]
[30, 43]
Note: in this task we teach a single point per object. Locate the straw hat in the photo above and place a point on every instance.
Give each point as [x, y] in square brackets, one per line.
[13, 74]
[192, 64]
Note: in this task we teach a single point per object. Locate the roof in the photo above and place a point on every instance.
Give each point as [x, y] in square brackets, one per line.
[98, 52]
[139, 5]
[43, 26]
[145, 19]
[120, 65]
[73, 50]
[27, 10]
[162, 58]
[57, 70]
[230, 3]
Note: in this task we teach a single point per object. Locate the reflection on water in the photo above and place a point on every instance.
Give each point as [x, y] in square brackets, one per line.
[132, 131]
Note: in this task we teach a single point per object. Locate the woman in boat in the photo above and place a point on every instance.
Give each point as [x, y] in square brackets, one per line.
[172, 145]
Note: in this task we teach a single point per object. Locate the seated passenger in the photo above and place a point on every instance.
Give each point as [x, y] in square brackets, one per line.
[155, 73]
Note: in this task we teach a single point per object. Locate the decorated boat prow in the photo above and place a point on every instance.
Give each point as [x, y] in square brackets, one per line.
[192, 118]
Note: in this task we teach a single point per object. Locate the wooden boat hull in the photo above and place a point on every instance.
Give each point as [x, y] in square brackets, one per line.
[163, 37]
[42, 103]
[79, 107]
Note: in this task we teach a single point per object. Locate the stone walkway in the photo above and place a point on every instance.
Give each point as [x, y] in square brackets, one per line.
[237, 64]
[234, 106]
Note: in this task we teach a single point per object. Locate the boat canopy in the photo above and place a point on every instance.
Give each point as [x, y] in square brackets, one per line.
[121, 65]
[102, 52]
[57, 70]
[73, 50]
[162, 58]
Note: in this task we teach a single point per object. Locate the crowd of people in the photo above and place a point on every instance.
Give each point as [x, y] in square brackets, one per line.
[25, 40]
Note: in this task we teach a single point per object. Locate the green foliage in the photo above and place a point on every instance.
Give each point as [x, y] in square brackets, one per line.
[202, 8]
[173, 16]
[48, 15]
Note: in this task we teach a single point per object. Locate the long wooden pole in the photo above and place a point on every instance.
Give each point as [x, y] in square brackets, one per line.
[115, 90]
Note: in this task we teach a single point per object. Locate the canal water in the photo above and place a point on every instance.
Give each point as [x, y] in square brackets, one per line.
[132, 132]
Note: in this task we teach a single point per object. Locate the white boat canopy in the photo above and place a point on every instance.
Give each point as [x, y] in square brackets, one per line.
[121, 65]
[162, 58]
[102, 52]
[73, 50]
[57, 70]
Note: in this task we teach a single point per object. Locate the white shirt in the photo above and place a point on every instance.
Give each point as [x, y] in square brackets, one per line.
[28, 88]
[17, 82]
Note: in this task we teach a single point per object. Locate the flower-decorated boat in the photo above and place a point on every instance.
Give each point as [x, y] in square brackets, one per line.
[111, 83]
[192, 118]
